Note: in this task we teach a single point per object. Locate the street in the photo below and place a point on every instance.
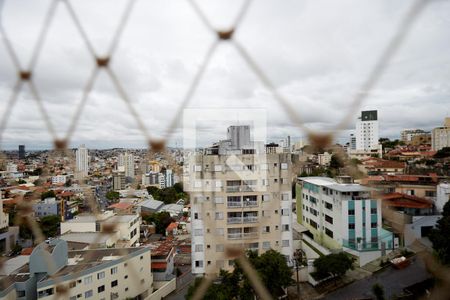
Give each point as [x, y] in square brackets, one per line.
[392, 280]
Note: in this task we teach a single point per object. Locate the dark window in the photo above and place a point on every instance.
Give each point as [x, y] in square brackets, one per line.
[373, 211]
[114, 283]
[329, 206]
[373, 225]
[329, 219]
[329, 232]
[101, 289]
[351, 226]
[351, 212]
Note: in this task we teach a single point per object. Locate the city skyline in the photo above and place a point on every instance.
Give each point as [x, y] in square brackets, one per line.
[316, 66]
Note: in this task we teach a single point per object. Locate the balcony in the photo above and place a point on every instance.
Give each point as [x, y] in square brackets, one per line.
[234, 236]
[249, 235]
[233, 189]
[234, 220]
[250, 203]
[233, 204]
[250, 219]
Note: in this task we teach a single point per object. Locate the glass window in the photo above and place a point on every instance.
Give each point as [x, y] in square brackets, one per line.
[88, 280]
[88, 294]
[114, 283]
[114, 270]
[100, 275]
[285, 243]
[101, 289]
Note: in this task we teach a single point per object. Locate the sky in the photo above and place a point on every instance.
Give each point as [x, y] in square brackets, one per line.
[316, 53]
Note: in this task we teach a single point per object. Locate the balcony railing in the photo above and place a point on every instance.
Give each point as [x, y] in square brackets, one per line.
[234, 220]
[234, 204]
[250, 203]
[234, 236]
[250, 219]
[233, 189]
[250, 234]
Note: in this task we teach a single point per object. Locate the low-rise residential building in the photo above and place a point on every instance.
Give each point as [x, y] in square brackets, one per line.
[51, 271]
[377, 166]
[343, 216]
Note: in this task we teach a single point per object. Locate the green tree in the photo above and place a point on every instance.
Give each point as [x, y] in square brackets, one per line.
[154, 191]
[178, 187]
[439, 236]
[336, 162]
[49, 225]
[112, 196]
[378, 291]
[442, 153]
[168, 195]
[161, 221]
[335, 264]
[48, 194]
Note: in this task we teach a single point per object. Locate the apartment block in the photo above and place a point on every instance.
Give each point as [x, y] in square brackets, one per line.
[440, 136]
[343, 216]
[53, 272]
[367, 131]
[239, 200]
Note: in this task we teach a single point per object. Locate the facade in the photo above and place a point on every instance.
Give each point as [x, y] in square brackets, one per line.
[169, 178]
[8, 234]
[343, 216]
[82, 161]
[440, 136]
[95, 274]
[119, 181]
[21, 151]
[407, 134]
[324, 159]
[126, 161]
[238, 200]
[367, 131]
[59, 179]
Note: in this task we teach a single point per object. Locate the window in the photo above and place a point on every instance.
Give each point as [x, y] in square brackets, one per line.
[88, 280]
[88, 294]
[198, 232]
[72, 284]
[328, 206]
[199, 263]
[351, 212]
[285, 227]
[285, 243]
[351, 226]
[275, 180]
[114, 270]
[284, 166]
[329, 232]
[266, 229]
[114, 283]
[219, 248]
[196, 216]
[285, 212]
[219, 231]
[197, 168]
[73, 298]
[126, 289]
[266, 245]
[101, 289]
[125, 277]
[373, 211]
[219, 215]
[265, 197]
[430, 194]
[285, 197]
[100, 275]
[199, 248]
[373, 225]
[329, 219]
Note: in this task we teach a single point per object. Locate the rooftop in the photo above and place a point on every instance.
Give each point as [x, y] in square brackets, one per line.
[333, 184]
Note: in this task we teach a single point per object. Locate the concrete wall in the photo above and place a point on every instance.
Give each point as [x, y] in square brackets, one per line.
[413, 231]
[164, 288]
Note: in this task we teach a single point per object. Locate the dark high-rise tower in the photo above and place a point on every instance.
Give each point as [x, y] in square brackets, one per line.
[21, 151]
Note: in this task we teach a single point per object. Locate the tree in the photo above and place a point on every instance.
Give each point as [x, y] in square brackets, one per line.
[271, 267]
[168, 195]
[48, 194]
[50, 225]
[112, 195]
[178, 187]
[335, 265]
[439, 236]
[154, 191]
[161, 221]
[378, 291]
[336, 162]
[442, 153]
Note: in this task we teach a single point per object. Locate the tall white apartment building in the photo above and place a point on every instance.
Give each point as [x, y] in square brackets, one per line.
[169, 178]
[242, 199]
[343, 216]
[440, 136]
[126, 161]
[82, 161]
[366, 134]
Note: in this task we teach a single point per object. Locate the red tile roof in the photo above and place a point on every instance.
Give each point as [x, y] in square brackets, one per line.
[172, 226]
[121, 205]
[159, 265]
[407, 201]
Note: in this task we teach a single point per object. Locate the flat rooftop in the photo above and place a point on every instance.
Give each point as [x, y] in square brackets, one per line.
[334, 185]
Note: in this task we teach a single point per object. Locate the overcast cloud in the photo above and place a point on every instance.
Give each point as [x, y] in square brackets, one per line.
[317, 53]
